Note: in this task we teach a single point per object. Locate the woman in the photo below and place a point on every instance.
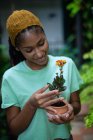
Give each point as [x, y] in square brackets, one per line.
[25, 93]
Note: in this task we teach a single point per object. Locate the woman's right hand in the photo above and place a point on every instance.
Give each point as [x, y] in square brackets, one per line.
[41, 99]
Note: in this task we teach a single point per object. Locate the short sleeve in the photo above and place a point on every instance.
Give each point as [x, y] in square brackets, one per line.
[76, 80]
[8, 96]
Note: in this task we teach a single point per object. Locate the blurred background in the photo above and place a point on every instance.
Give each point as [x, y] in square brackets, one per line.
[68, 26]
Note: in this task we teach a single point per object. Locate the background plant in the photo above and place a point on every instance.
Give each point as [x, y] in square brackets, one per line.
[81, 12]
[84, 10]
[4, 64]
[87, 89]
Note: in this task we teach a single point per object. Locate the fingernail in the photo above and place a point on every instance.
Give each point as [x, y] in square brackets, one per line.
[46, 86]
[56, 90]
[61, 98]
[57, 116]
[55, 111]
[53, 117]
[67, 115]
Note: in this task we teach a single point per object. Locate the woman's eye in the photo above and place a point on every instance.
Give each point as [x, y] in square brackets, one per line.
[41, 44]
[29, 50]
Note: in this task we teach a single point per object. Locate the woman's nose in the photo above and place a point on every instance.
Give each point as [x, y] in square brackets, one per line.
[38, 53]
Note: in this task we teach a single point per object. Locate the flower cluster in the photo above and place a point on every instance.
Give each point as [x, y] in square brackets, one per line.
[60, 63]
[58, 82]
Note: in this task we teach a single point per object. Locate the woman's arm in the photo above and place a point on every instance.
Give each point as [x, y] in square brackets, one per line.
[75, 102]
[19, 120]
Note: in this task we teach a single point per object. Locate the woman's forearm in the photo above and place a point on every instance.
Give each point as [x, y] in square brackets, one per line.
[22, 120]
[75, 102]
[76, 107]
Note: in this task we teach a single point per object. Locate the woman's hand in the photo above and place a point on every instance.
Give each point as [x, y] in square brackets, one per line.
[63, 118]
[44, 100]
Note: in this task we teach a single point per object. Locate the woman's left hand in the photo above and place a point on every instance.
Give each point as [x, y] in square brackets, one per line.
[63, 118]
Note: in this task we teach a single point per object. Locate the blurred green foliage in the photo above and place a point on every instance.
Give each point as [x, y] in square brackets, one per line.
[4, 64]
[74, 7]
[85, 9]
[87, 88]
[4, 60]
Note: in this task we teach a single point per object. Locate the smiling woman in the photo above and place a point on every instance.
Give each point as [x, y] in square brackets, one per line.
[25, 93]
[32, 43]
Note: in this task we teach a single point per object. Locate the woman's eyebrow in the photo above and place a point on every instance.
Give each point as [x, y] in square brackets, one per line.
[39, 41]
[27, 47]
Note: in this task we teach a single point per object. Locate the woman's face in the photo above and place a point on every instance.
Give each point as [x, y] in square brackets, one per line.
[34, 47]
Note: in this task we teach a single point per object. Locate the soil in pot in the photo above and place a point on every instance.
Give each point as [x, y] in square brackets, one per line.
[59, 104]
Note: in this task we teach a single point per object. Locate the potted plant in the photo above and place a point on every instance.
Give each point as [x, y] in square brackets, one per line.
[58, 83]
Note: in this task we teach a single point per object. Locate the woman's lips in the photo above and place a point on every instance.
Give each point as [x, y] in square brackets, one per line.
[41, 59]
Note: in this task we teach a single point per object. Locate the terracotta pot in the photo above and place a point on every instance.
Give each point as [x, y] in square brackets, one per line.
[60, 109]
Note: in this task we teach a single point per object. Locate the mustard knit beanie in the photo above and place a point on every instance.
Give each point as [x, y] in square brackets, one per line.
[19, 20]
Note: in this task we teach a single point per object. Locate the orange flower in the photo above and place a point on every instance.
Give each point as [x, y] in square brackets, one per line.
[58, 81]
[60, 63]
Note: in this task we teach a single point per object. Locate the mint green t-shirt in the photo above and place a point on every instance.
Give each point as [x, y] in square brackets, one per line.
[20, 82]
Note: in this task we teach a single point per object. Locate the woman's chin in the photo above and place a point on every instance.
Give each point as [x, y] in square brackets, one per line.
[43, 61]
[38, 64]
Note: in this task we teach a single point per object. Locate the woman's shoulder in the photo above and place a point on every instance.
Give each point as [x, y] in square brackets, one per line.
[11, 71]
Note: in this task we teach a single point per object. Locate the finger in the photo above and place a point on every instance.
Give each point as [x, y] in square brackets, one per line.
[56, 119]
[51, 118]
[63, 117]
[50, 108]
[45, 99]
[49, 94]
[43, 89]
[67, 118]
[51, 102]
[62, 99]
[70, 109]
[71, 117]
